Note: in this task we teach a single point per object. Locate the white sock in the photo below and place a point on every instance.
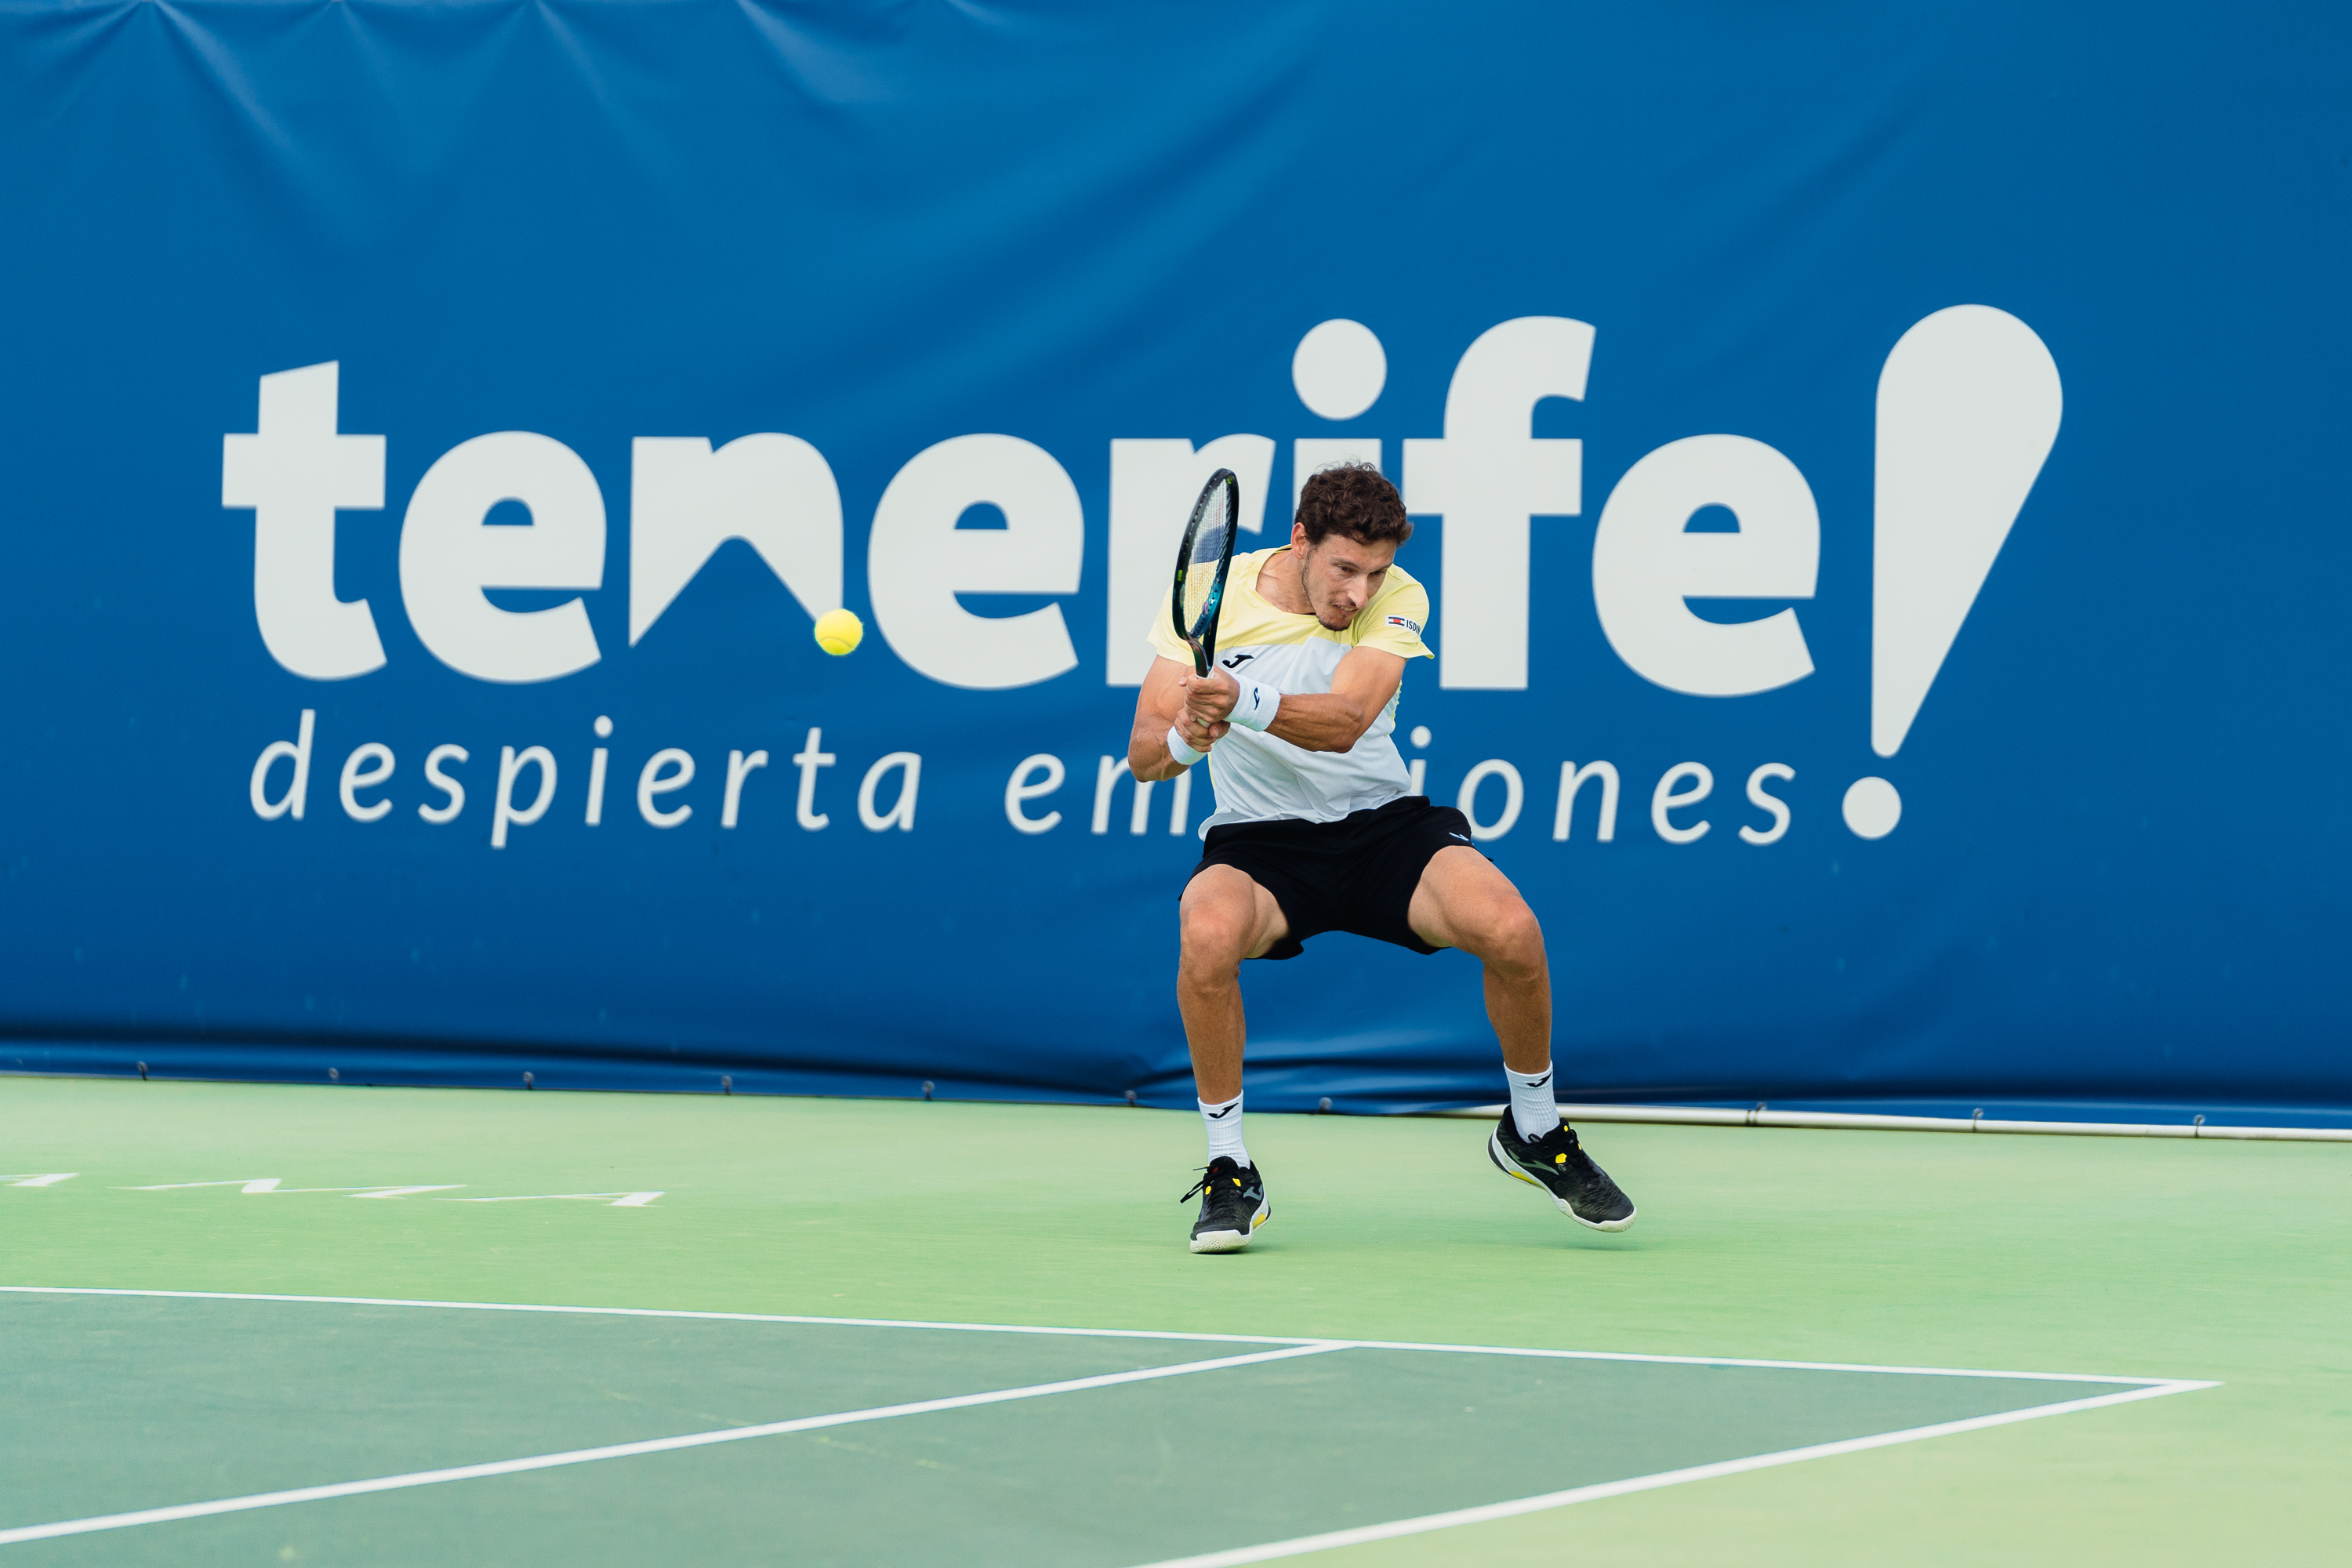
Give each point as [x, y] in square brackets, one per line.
[1532, 1108]
[1224, 1125]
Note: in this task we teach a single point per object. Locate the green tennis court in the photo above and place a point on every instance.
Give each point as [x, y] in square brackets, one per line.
[283, 1324]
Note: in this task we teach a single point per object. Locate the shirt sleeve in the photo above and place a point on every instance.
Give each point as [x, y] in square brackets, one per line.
[1395, 621]
[1165, 642]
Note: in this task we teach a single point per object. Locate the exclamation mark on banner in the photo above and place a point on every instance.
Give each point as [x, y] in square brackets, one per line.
[1968, 405]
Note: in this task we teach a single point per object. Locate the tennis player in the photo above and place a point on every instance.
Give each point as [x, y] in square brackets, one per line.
[1315, 831]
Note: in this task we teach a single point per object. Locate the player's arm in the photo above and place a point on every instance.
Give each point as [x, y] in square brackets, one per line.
[1318, 721]
[1160, 707]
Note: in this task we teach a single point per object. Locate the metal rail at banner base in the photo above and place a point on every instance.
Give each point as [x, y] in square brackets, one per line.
[1763, 1116]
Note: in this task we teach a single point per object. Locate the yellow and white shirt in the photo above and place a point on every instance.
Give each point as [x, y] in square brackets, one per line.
[1261, 778]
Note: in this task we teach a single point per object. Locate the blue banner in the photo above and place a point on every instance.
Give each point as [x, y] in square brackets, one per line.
[1877, 471]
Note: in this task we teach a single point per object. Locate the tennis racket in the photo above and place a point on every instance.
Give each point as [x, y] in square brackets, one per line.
[1202, 565]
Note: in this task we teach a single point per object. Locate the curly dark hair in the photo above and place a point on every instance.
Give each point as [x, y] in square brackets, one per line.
[1356, 499]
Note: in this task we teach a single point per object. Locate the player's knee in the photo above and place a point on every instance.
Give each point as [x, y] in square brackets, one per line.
[1215, 938]
[1511, 937]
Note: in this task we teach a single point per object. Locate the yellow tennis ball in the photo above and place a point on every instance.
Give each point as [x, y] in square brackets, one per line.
[839, 632]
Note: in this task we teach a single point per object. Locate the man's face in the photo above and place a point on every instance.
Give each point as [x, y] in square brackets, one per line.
[1340, 574]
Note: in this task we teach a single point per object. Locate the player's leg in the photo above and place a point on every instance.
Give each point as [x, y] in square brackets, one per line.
[1464, 901]
[1225, 918]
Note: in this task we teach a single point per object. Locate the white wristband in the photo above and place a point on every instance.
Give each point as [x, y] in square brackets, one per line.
[1185, 754]
[1255, 706]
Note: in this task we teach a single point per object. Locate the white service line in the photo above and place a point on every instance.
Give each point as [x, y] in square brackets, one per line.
[1767, 1365]
[1089, 1334]
[666, 1312]
[627, 1450]
[1300, 1545]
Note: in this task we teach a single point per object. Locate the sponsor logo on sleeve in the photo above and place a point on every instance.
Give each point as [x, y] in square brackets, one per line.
[1412, 626]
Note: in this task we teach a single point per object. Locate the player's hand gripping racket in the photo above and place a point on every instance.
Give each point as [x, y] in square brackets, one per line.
[1202, 565]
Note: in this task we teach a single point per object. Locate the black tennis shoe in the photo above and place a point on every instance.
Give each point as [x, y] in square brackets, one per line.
[1559, 1165]
[1232, 1205]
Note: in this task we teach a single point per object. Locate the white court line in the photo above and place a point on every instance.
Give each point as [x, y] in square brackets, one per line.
[1301, 1546]
[675, 1312]
[1769, 1366]
[627, 1450]
[2169, 1384]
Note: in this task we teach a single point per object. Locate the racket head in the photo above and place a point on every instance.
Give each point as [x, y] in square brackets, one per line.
[1201, 563]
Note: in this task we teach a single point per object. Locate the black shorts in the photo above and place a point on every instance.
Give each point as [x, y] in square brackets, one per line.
[1354, 875]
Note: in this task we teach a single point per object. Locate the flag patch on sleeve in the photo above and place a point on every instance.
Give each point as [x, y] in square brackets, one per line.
[1412, 626]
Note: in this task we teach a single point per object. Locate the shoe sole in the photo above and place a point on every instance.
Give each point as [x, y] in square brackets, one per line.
[1233, 1240]
[1502, 1164]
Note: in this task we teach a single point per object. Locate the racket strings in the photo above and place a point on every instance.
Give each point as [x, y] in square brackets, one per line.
[1204, 583]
